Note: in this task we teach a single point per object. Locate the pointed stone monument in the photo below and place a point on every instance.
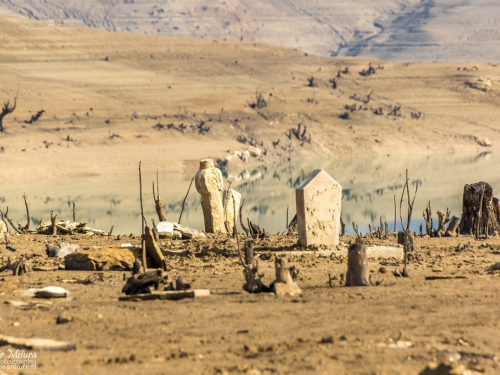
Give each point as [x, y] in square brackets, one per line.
[209, 184]
[318, 201]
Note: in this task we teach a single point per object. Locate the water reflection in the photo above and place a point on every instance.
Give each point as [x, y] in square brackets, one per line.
[369, 186]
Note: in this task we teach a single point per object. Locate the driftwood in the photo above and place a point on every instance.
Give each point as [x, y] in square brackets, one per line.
[18, 268]
[153, 250]
[285, 277]
[479, 215]
[357, 265]
[245, 229]
[167, 295]
[53, 221]
[145, 283]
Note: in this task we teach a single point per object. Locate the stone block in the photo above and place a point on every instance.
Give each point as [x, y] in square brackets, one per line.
[209, 184]
[165, 229]
[318, 202]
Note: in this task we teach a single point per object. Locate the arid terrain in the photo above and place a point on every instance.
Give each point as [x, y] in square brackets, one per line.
[396, 328]
[112, 99]
[91, 104]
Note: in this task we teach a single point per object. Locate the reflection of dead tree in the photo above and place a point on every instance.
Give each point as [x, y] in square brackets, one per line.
[158, 201]
[7, 109]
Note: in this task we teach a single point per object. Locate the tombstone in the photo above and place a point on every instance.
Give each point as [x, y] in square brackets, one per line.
[209, 184]
[318, 201]
[229, 207]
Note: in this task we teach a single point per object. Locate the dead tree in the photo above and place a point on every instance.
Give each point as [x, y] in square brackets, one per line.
[311, 82]
[358, 270]
[18, 268]
[158, 201]
[479, 215]
[26, 228]
[7, 108]
[442, 221]
[427, 214]
[6, 219]
[35, 117]
[253, 281]
[407, 236]
[53, 221]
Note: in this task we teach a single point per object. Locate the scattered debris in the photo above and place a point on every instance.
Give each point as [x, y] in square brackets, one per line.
[60, 251]
[36, 344]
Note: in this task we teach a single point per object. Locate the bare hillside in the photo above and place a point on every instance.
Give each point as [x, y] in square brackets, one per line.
[112, 99]
[429, 30]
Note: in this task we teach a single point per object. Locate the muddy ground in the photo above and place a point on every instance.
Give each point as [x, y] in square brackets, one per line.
[396, 328]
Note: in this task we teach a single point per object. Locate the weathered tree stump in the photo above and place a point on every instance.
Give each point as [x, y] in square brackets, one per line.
[451, 231]
[253, 280]
[357, 265]
[285, 275]
[411, 239]
[479, 216]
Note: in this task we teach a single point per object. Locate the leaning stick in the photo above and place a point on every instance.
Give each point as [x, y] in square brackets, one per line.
[184, 201]
[143, 242]
[27, 227]
[241, 218]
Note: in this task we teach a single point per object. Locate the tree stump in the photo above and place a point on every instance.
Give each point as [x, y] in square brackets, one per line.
[357, 265]
[479, 216]
[284, 283]
[411, 239]
[451, 231]
[251, 270]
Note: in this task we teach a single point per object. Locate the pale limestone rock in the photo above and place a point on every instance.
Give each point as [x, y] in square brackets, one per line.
[318, 201]
[229, 207]
[209, 184]
[3, 227]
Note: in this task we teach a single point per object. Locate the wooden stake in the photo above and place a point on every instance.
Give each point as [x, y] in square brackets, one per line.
[27, 227]
[143, 220]
[74, 213]
[184, 201]
[158, 201]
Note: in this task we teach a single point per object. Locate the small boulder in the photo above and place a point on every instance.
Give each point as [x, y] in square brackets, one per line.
[120, 259]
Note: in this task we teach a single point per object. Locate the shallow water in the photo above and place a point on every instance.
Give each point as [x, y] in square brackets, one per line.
[369, 185]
